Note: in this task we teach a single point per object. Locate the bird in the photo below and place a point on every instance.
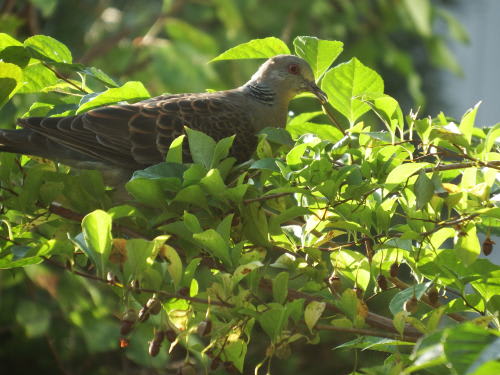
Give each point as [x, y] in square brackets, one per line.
[129, 137]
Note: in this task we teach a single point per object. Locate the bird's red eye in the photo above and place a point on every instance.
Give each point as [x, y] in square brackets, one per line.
[293, 68]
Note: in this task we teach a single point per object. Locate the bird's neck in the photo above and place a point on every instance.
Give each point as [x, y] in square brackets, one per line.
[261, 92]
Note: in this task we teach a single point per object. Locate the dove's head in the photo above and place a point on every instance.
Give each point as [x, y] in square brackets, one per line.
[288, 75]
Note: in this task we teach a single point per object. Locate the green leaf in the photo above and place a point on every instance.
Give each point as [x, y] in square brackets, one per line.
[346, 82]
[313, 312]
[467, 124]
[174, 265]
[221, 150]
[174, 154]
[255, 49]
[423, 189]
[46, 48]
[492, 138]
[277, 135]
[266, 163]
[467, 245]
[37, 78]
[97, 74]
[455, 27]
[46, 7]
[131, 91]
[280, 287]
[193, 194]
[319, 53]
[7, 41]
[138, 252]
[235, 352]
[420, 12]
[255, 226]
[181, 31]
[96, 228]
[201, 147]
[348, 303]
[397, 302]
[467, 347]
[388, 109]
[404, 171]
[215, 244]
[35, 318]
[11, 80]
[325, 132]
[272, 320]
[243, 270]
[353, 265]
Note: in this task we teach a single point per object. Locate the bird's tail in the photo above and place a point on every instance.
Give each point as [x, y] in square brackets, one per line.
[24, 141]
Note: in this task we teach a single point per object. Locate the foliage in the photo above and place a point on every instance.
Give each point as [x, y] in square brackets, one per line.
[404, 39]
[332, 216]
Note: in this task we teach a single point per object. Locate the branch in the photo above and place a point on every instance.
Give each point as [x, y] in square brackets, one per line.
[374, 320]
[60, 76]
[402, 285]
[368, 332]
[66, 213]
[470, 164]
[132, 289]
[265, 197]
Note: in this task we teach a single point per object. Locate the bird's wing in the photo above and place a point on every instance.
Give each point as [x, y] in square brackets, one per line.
[134, 135]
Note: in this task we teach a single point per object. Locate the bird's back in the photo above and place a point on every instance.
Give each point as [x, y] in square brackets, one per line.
[136, 135]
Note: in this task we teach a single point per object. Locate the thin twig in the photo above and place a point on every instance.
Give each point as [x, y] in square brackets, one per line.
[360, 331]
[60, 76]
[132, 289]
[372, 319]
[265, 197]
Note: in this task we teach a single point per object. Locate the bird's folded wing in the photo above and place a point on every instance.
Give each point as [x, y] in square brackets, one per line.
[135, 135]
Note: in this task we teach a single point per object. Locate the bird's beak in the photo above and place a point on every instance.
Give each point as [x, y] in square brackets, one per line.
[320, 94]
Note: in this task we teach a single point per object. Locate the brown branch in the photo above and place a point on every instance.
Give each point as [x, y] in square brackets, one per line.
[132, 289]
[55, 354]
[425, 299]
[361, 331]
[372, 319]
[447, 167]
[104, 46]
[60, 76]
[66, 213]
[265, 197]
[328, 109]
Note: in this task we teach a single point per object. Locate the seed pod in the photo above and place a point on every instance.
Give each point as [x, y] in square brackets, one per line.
[143, 315]
[433, 296]
[170, 335]
[110, 278]
[134, 284]
[488, 246]
[204, 327]
[382, 282]
[394, 269]
[411, 305]
[215, 364]
[126, 328]
[159, 336]
[187, 369]
[153, 305]
[154, 348]
[123, 342]
[359, 292]
[230, 367]
[283, 351]
[335, 283]
[130, 316]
